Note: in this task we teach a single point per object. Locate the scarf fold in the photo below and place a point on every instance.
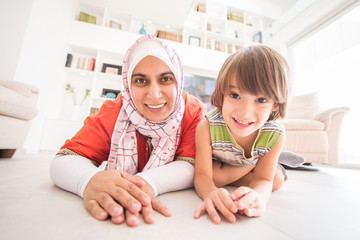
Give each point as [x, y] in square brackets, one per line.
[164, 135]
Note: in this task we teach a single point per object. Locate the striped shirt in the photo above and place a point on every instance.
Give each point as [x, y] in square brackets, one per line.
[226, 150]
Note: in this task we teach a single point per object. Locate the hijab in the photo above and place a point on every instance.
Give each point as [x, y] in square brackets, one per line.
[164, 135]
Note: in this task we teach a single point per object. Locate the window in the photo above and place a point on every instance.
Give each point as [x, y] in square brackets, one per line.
[328, 62]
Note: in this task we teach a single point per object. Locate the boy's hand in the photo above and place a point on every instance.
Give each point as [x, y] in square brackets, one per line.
[111, 192]
[218, 200]
[248, 202]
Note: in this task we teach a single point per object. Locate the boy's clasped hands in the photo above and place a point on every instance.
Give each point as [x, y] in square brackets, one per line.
[242, 200]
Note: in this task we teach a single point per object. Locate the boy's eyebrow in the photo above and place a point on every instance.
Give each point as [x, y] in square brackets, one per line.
[232, 86]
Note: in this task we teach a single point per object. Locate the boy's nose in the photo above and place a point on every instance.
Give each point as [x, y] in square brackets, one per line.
[245, 109]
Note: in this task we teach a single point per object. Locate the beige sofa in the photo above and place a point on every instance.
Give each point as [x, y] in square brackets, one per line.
[18, 106]
[311, 132]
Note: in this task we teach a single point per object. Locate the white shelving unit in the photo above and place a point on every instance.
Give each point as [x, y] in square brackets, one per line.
[215, 31]
[114, 31]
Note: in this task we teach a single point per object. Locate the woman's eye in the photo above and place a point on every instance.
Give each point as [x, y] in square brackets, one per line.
[234, 95]
[261, 100]
[140, 81]
[166, 79]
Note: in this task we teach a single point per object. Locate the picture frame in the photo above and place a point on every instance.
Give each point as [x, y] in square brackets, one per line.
[111, 69]
[110, 93]
[115, 25]
[194, 41]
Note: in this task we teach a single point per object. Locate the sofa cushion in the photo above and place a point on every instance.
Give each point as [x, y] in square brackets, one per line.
[304, 106]
[303, 124]
[17, 105]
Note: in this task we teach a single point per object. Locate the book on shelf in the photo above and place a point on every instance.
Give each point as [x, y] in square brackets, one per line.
[237, 17]
[69, 59]
[168, 36]
[85, 17]
[80, 63]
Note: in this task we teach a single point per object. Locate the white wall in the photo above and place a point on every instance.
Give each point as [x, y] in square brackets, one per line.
[42, 55]
[13, 23]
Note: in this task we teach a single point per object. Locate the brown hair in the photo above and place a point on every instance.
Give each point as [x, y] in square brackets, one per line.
[258, 70]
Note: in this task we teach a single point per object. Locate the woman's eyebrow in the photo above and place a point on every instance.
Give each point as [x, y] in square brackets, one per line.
[138, 75]
[165, 73]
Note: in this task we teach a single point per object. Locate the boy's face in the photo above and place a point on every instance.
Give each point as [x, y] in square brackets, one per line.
[153, 88]
[245, 113]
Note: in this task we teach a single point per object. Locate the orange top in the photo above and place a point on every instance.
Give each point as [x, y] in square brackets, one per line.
[93, 139]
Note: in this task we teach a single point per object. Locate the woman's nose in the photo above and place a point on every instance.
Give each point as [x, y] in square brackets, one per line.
[154, 90]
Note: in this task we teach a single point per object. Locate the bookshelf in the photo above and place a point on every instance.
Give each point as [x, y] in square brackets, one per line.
[221, 28]
[203, 43]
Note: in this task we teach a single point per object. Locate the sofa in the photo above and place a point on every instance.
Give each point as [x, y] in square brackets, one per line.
[18, 106]
[311, 132]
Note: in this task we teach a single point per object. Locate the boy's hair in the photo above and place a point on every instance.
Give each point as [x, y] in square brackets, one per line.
[258, 70]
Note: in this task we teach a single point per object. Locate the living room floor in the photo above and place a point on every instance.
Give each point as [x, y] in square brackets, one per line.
[322, 204]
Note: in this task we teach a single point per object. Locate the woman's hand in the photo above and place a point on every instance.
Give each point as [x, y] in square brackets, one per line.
[147, 211]
[114, 192]
[248, 202]
[218, 200]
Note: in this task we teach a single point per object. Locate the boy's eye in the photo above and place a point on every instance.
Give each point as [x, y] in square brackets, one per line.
[234, 95]
[261, 100]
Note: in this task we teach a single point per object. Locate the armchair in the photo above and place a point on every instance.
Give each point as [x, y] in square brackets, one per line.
[18, 106]
[311, 132]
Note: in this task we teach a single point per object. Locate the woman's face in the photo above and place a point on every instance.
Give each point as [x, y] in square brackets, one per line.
[153, 88]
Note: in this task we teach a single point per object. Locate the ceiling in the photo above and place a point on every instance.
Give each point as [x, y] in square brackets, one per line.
[174, 12]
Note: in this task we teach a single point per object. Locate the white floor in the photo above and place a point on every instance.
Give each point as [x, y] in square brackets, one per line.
[311, 205]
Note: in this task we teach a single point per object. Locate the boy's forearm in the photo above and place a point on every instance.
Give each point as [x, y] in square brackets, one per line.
[203, 185]
[225, 174]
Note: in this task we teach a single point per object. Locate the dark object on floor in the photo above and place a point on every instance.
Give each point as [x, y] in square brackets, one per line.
[303, 167]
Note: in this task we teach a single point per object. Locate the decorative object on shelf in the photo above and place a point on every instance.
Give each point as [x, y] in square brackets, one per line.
[142, 30]
[93, 111]
[85, 17]
[71, 90]
[194, 41]
[110, 93]
[115, 25]
[169, 36]
[257, 37]
[111, 69]
[201, 7]
[75, 109]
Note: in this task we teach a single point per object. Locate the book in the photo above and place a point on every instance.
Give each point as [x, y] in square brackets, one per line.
[168, 36]
[85, 17]
[237, 17]
[69, 59]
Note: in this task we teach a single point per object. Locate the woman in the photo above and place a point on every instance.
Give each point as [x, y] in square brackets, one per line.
[150, 124]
